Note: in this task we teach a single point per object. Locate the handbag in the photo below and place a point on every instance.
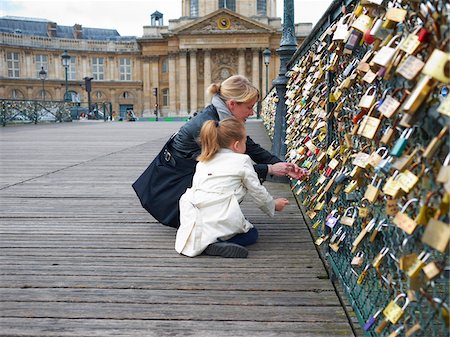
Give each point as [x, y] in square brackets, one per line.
[161, 185]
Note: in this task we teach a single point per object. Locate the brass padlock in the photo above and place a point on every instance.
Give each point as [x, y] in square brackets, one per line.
[403, 221]
[437, 235]
[393, 312]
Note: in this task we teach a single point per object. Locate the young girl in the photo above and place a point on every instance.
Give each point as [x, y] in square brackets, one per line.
[211, 220]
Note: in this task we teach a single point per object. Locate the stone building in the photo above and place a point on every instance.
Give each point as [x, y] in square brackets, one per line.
[209, 42]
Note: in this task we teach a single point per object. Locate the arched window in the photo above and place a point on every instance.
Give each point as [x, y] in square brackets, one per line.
[194, 8]
[261, 7]
[229, 4]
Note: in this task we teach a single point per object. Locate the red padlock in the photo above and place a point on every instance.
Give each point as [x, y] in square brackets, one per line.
[369, 38]
[424, 35]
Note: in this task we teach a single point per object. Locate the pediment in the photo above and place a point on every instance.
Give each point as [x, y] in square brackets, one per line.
[223, 21]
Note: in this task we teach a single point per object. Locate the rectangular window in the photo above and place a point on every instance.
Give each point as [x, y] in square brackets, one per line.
[71, 71]
[98, 68]
[194, 8]
[230, 4]
[164, 66]
[12, 60]
[261, 7]
[165, 97]
[41, 62]
[125, 69]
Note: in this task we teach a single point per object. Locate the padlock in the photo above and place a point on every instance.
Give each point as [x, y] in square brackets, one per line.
[342, 176]
[407, 179]
[426, 212]
[373, 190]
[444, 172]
[362, 235]
[353, 41]
[371, 321]
[342, 31]
[419, 93]
[416, 267]
[436, 235]
[394, 15]
[403, 221]
[375, 157]
[363, 274]
[405, 160]
[362, 23]
[431, 270]
[385, 165]
[336, 245]
[368, 99]
[437, 66]
[393, 312]
[349, 217]
[377, 230]
[358, 259]
[332, 219]
[386, 54]
[369, 124]
[391, 206]
[379, 257]
[435, 143]
[401, 143]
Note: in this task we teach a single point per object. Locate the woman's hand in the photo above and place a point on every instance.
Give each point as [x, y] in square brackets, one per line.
[288, 169]
[280, 203]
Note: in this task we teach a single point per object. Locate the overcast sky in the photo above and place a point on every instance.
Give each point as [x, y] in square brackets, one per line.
[128, 16]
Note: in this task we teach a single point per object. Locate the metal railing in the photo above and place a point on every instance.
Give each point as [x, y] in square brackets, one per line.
[378, 194]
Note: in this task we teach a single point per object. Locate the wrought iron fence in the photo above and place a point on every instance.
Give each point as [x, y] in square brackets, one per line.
[15, 111]
[368, 114]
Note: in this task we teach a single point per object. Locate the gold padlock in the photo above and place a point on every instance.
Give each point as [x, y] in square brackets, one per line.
[403, 221]
[438, 66]
[393, 312]
[437, 235]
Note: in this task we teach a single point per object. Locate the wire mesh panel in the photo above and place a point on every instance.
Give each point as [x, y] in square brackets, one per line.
[368, 115]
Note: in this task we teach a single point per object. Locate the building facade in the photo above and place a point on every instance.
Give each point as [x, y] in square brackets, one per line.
[168, 67]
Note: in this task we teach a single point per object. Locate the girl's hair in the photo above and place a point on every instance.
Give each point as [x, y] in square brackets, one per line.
[215, 135]
[236, 87]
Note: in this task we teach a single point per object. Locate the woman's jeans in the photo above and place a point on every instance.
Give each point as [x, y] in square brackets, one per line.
[245, 239]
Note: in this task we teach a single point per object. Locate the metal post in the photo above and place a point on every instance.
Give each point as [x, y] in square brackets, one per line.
[266, 59]
[65, 57]
[43, 76]
[288, 45]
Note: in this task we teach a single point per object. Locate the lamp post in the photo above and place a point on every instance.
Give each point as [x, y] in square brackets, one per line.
[65, 59]
[288, 45]
[266, 57]
[43, 76]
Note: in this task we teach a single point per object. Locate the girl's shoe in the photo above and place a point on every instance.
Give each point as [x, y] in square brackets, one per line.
[226, 249]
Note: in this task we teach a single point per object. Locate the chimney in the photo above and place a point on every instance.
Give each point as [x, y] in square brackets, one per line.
[77, 31]
[51, 29]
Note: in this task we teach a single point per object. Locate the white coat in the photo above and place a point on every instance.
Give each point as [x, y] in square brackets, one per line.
[210, 210]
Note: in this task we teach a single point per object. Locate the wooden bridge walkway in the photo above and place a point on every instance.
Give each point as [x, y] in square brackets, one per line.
[79, 256]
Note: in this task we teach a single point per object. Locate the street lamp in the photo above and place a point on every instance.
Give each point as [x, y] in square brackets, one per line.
[43, 76]
[65, 59]
[266, 57]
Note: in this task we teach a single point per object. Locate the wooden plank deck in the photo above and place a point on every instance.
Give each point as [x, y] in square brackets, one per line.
[79, 256]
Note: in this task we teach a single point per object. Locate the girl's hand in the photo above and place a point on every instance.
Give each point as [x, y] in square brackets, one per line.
[280, 203]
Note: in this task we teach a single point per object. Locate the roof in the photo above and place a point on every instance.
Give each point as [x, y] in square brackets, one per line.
[38, 27]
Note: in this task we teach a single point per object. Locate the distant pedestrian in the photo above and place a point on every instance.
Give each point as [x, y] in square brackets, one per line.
[210, 216]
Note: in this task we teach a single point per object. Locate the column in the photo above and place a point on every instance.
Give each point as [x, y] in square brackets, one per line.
[207, 74]
[241, 64]
[255, 68]
[193, 80]
[183, 83]
[147, 91]
[154, 81]
[172, 83]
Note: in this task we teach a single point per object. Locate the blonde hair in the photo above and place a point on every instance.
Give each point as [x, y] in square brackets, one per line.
[236, 87]
[215, 135]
